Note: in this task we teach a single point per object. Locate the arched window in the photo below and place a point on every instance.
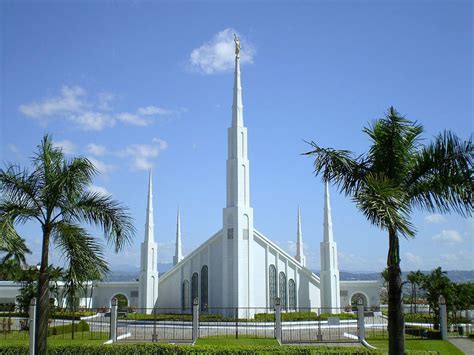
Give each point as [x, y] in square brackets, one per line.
[204, 289]
[194, 287]
[283, 294]
[185, 295]
[272, 277]
[291, 294]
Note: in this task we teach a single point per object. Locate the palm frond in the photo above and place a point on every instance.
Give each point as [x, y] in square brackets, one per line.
[84, 255]
[442, 176]
[339, 167]
[394, 140]
[11, 243]
[109, 215]
[21, 189]
[384, 205]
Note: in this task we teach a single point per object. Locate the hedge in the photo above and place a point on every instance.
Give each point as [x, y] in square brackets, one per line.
[157, 348]
[429, 318]
[423, 332]
[54, 315]
[82, 326]
[302, 316]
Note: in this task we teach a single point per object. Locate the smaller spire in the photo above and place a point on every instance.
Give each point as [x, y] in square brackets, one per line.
[178, 254]
[149, 226]
[299, 241]
[328, 236]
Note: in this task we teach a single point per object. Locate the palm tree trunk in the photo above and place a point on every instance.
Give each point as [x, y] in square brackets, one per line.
[396, 332]
[42, 310]
[416, 299]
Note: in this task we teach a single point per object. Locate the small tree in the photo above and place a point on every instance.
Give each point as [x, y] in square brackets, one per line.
[436, 284]
[414, 278]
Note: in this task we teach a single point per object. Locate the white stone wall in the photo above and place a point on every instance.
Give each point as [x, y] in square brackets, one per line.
[369, 289]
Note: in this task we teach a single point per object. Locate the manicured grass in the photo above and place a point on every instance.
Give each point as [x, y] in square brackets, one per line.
[240, 341]
[62, 339]
[443, 347]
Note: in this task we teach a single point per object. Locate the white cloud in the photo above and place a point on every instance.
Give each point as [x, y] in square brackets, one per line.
[13, 148]
[74, 105]
[218, 54]
[143, 154]
[99, 189]
[104, 100]
[153, 110]
[435, 218]
[132, 119]
[65, 145]
[68, 101]
[448, 236]
[93, 121]
[96, 149]
[101, 166]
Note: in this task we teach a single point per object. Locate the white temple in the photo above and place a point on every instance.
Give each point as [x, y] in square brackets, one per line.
[238, 266]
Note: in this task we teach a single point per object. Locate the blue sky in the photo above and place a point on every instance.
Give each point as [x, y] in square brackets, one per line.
[134, 85]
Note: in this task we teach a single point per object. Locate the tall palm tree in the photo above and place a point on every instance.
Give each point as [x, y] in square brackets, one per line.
[55, 195]
[414, 278]
[397, 175]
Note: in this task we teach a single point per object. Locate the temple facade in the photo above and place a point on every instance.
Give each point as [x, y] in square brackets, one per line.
[238, 266]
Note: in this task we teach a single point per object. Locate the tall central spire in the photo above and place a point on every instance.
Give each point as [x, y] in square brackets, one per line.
[238, 229]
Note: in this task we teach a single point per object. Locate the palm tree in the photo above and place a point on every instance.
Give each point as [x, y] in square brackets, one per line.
[397, 175]
[55, 195]
[414, 278]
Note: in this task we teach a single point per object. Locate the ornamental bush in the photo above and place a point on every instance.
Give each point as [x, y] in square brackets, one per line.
[157, 348]
[82, 326]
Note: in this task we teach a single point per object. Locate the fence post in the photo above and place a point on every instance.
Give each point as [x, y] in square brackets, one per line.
[236, 323]
[443, 318]
[32, 325]
[277, 320]
[113, 320]
[195, 319]
[360, 320]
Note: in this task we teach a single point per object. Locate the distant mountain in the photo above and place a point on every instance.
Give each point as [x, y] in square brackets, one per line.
[130, 273]
[458, 276]
[126, 273]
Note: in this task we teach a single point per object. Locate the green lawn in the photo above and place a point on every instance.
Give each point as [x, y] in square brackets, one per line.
[443, 347]
[63, 339]
[241, 341]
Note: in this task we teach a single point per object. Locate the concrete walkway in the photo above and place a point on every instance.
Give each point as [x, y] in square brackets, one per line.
[463, 344]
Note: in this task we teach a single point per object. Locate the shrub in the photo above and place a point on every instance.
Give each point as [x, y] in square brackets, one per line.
[423, 332]
[82, 326]
[70, 315]
[301, 316]
[156, 348]
[7, 307]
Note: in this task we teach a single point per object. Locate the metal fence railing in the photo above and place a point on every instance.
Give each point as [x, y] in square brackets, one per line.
[307, 325]
[158, 324]
[249, 322]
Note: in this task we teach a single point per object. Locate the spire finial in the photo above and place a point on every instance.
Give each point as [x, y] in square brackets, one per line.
[237, 107]
[237, 46]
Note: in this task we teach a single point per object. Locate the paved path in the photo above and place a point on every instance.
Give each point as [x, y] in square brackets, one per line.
[463, 344]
